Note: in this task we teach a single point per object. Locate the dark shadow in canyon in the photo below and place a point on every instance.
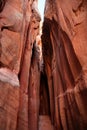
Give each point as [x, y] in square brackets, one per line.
[44, 96]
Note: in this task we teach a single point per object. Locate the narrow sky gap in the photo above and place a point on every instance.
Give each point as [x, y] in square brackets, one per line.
[41, 6]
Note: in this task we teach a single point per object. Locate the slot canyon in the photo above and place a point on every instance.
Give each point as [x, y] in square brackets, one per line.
[43, 65]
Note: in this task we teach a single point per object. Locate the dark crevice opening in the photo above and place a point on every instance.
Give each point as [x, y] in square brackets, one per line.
[44, 96]
[2, 4]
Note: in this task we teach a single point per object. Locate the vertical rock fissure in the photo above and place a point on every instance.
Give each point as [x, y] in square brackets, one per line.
[44, 96]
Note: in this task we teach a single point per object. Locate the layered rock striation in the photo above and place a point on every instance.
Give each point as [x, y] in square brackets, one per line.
[43, 84]
[19, 65]
[65, 58]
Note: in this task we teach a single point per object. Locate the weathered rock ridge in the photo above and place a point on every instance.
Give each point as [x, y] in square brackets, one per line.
[65, 58]
[19, 65]
[43, 84]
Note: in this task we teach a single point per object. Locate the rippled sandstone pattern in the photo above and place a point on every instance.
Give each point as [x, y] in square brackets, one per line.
[65, 56]
[43, 93]
[19, 26]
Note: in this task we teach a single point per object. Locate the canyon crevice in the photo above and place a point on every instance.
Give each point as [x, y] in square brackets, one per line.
[43, 77]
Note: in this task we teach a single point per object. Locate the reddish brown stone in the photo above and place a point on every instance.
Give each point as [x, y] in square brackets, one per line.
[19, 27]
[64, 51]
[43, 91]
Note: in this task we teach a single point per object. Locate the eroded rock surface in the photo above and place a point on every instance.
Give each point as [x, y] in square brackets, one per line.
[43, 91]
[65, 58]
[19, 66]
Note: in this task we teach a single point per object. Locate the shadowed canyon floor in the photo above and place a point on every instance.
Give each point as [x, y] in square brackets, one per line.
[45, 123]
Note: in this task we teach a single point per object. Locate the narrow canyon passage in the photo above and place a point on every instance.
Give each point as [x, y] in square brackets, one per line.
[44, 109]
[44, 96]
[43, 65]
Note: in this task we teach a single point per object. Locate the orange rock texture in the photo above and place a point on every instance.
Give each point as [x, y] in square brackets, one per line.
[43, 84]
[65, 58]
[19, 65]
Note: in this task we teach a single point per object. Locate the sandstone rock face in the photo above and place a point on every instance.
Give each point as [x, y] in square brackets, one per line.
[43, 91]
[9, 104]
[65, 58]
[19, 65]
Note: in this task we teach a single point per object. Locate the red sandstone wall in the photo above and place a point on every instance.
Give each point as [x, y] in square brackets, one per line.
[64, 52]
[65, 56]
[19, 67]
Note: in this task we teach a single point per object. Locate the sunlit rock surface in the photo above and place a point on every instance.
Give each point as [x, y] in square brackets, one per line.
[8, 76]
